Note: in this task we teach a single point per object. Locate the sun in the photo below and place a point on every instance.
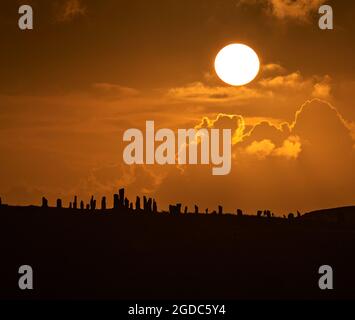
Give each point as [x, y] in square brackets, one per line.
[237, 64]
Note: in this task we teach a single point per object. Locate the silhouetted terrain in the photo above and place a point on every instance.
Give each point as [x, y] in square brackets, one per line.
[123, 253]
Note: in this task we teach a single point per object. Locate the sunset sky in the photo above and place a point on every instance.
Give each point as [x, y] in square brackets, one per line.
[89, 70]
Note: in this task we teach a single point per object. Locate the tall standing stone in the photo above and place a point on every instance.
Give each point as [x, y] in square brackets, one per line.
[44, 202]
[115, 201]
[145, 203]
[103, 203]
[155, 207]
[138, 203]
[75, 203]
[122, 198]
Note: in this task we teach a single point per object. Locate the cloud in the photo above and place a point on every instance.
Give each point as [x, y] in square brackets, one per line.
[293, 80]
[261, 148]
[199, 92]
[290, 148]
[322, 89]
[294, 9]
[282, 167]
[225, 121]
[274, 83]
[113, 91]
[271, 68]
[70, 10]
[287, 9]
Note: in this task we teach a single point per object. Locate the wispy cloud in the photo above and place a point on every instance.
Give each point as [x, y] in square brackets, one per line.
[199, 92]
[113, 91]
[287, 9]
[70, 10]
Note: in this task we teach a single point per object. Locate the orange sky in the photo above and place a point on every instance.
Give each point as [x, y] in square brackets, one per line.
[91, 69]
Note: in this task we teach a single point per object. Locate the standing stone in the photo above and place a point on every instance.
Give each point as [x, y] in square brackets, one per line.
[44, 202]
[145, 203]
[138, 203]
[75, 203]
[122, 198]
[126, 203]
[103, 203]
[59, 203]
[92, 203]
[149, 205]
[115, 201]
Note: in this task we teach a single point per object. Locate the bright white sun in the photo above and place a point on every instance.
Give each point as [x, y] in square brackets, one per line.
[237, 64]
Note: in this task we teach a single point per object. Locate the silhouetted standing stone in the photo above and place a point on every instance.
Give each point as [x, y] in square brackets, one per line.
[175, 210]
[126, 203]
[259, 213]
[220, 209]
[131, 205]
[291, 216]
[87, 206]
[81, 205]
[103, 203]
[70, 205]
[92, 203]
[138, 203]
[145, 203]
[206, 211]
[196, 209]
[149, 205]
[185, 211]
[115, 201]
[155, 207]
[59, 203]
[239, 212]
[75, 203]
[122, 198]
[44, 202]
